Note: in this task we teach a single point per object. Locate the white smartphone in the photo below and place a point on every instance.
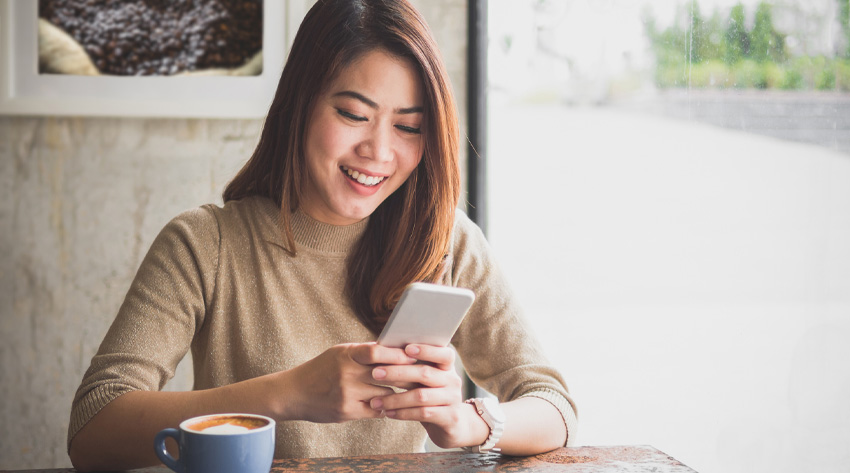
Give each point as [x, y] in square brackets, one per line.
[426, 313]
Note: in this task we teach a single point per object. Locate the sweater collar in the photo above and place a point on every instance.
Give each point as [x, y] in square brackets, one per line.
[312, 233]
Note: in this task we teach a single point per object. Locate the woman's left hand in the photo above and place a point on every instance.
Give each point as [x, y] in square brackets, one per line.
[434, 397]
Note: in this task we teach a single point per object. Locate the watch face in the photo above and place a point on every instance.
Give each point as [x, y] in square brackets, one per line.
[494, 409]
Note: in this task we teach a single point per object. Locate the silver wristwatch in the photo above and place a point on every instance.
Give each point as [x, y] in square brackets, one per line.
[492, 413]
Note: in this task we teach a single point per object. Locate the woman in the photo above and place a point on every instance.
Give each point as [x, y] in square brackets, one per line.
[349, 196]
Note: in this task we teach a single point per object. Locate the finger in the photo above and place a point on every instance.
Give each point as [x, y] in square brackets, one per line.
[378, 375]
[359, 404]
[370, 413]
[374, 354]
[365, 411]
[416, 398]
[358, 380]
[441, 357]
[371, 391]
[441, 415]
[424, 375]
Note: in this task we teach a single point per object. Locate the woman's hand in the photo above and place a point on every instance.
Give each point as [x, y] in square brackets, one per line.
[337, 385]
[434, 397]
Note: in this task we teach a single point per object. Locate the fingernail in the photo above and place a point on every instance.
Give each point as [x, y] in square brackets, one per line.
[412, 350]
[390, 413]
[376, 404]
[379, 373]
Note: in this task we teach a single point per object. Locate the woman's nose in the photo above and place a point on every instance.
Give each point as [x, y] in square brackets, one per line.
[377, 144]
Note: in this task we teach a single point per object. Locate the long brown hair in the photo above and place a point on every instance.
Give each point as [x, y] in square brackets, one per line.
[408, 235]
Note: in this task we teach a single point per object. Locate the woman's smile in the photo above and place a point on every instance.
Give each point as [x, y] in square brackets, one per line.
[363, 178]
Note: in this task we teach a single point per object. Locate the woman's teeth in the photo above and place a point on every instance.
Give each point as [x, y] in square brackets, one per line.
[362, 178]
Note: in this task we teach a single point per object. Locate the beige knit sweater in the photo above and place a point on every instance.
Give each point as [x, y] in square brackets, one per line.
[218, 281]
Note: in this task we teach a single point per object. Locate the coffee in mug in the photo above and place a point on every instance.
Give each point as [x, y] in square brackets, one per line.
[220, 443]
[225, 424]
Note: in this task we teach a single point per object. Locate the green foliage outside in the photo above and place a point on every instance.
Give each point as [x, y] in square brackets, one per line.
[737, 40]
[723, 52]
[844, 18]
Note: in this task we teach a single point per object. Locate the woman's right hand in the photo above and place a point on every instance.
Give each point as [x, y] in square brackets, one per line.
[337, 385]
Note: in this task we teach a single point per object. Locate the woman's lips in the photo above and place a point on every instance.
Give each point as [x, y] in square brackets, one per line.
[362, 178]
[362, 183]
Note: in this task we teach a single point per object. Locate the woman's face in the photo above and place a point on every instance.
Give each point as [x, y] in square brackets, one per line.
[363, 138]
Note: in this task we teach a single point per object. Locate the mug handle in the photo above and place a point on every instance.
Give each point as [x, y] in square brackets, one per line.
[162, 452]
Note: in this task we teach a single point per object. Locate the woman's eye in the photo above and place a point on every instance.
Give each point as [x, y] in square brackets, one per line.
[351, 116]
[409, 129]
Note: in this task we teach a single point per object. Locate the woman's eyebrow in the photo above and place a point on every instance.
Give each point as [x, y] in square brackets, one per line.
[372, 104]
[409, 110]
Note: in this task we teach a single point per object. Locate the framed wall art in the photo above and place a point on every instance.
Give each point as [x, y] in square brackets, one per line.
[222, 59]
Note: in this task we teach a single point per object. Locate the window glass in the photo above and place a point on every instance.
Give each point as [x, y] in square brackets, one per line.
[669, 196]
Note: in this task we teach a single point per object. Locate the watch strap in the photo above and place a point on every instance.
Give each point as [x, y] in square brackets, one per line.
[496, 428]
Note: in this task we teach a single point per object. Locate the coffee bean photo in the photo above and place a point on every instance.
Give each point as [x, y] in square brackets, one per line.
[150, 37]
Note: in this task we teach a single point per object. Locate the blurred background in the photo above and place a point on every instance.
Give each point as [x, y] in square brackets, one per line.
[669, 193]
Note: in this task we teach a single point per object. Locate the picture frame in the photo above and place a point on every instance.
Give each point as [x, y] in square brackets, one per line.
[23, 91]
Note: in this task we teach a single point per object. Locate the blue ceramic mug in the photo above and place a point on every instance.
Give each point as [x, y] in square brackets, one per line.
[220, 443]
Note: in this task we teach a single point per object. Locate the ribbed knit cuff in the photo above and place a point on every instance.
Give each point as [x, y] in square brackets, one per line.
[564, 406]
[90, 404]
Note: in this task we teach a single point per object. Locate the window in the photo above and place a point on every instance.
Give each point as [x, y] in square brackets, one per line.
[669, 195]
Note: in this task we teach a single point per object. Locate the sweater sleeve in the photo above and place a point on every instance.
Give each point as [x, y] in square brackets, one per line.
[498, 348]
[161, 313]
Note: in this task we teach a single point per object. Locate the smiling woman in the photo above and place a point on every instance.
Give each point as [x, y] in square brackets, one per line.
[407, 237]
[349, 197]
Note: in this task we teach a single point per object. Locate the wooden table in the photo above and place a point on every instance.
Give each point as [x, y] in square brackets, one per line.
[631, 459]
